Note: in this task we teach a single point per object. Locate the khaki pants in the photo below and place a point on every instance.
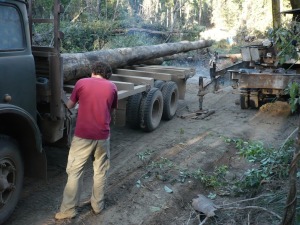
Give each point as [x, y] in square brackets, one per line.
[79, 153]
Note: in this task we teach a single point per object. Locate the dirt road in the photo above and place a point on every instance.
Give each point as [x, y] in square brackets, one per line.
[147, 183]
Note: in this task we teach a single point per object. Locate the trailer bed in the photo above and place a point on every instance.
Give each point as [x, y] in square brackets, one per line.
[250, 78]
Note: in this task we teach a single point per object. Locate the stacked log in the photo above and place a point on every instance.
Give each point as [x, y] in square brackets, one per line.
[77, 65]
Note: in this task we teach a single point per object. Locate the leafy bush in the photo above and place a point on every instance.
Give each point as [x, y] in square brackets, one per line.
[89, 36]
[216, 179]
[134, 39]
[293, 91]
[270, 163]
[192, 33]
[286, 42]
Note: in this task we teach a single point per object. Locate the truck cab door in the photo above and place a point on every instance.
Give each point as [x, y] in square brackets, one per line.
[17, 71]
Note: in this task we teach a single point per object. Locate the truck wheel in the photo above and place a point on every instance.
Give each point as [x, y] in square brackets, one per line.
[244, 101]
[151, 110]
[253, 99]
[11, 176]
[159, 84]
[133, 111]
[170, 96]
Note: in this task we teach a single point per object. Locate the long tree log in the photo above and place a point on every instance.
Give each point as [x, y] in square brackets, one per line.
[77, 65]
[160, 60]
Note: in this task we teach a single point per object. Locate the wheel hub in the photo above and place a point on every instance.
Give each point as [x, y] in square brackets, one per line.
[7, 179]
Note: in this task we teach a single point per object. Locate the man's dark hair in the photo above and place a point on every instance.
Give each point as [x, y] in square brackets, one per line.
[103, 69]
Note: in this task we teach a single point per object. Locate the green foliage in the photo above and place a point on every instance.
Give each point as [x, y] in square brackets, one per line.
[192, 33]
[144, 155]
[42, 8]
[163, 15]
[221, 45]
[293, 91]
[225, 13]
[285, 41]
[250, 149]
[215, 179]
[162, 163]
[95, 20]
[42, 34]
[135, 39]
[152, 26]
[90, 36]
[206, 13]
[269, 163]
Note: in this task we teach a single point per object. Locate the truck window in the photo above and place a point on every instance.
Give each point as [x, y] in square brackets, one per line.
[11, 30]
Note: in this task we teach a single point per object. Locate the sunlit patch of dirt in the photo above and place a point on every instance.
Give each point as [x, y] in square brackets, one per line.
[277, 108]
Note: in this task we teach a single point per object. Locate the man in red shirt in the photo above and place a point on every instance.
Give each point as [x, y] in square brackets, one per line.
[97, 97]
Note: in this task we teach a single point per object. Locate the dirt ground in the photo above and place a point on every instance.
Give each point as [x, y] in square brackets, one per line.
[145, 186]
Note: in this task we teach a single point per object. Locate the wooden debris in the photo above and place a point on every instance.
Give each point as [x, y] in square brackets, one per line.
[201, 114]
[197, 113]
[206, 114]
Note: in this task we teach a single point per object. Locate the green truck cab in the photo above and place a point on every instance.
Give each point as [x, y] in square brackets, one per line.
[30, 113]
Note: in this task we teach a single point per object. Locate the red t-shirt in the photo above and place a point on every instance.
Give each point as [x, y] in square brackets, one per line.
[96, 98]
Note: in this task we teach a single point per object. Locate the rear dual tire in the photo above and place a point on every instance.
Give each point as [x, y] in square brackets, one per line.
[170, 95]
[244, 101]
[151, 110]
[133, 111]
[146, 110]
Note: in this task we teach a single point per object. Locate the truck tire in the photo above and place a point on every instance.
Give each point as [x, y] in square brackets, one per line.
[170, 95]
[244, 101]
[159, 84]
[151, 110]
[11, 173]
[133, 111]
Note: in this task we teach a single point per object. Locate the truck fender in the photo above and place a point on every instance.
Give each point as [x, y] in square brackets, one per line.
[21, 126]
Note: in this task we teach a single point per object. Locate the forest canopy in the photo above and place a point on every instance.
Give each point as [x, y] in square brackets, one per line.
[96, 24]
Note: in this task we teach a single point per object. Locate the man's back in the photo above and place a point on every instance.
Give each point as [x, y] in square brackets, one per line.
[96, 98]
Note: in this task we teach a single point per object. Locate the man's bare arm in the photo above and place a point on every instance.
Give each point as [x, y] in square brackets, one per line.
[70, 104]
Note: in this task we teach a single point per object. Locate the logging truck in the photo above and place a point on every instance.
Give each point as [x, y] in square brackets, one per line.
[36, 81]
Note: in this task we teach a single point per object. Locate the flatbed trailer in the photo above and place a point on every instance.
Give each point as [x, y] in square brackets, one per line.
[133, 85]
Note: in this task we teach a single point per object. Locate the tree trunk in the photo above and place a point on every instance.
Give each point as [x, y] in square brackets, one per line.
[276, 14]
[290, 212]
[295, 5]
[200, 12]
[99, 5]
[116, 10]
[289, 217]
[77, 65]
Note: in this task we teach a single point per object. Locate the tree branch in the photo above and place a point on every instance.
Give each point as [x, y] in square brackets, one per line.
[253, 207]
